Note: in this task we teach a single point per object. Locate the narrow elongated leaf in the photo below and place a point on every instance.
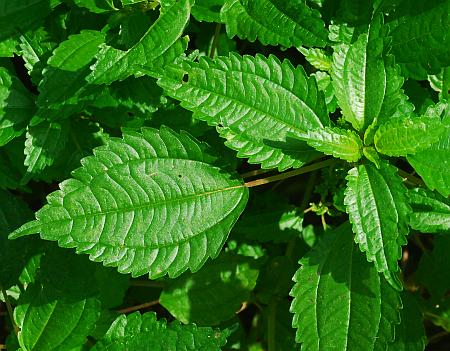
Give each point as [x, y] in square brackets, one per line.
[44, 143]
[340, 301]
[420, 40]
[340, 143]
[254, 102]
[48, 323]
[433, 164]
[17, 106]
[401, 137]
[377, 206]
[140, 204]
[144, 332]
[214, 293]
[291, 23]
[160, 45]
[431, 212]
[366, 85]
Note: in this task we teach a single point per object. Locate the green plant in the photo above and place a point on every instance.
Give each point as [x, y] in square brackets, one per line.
[341, 105]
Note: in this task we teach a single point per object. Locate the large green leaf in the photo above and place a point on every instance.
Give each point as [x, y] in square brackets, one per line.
[214, 293]
[160, 45]
[254, 102]
[340, 143]
[378, 209]
[17, 106]
[144, 332]
[207, 10]
[290, 23]
[340, 301]
[140, 204]
[431, 212]
[433, 164]
[404, 136]
[20, 15]
[420, 40]
[97, 6]
[43, 144]
[48, 323]
[366, 84]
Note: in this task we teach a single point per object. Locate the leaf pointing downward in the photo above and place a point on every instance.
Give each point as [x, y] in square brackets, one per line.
[148, 203]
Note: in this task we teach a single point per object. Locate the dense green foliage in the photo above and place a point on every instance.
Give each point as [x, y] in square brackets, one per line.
[143, 134]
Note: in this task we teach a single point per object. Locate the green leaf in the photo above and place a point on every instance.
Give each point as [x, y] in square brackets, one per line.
[43, 145]
[372, 155]
[254, 102]
[97, 6]
[378, 209]
[324, 84]
[291, 23]
[14, 254]
[144, 332]
[21, 15]
[340, 143]
[431, 212]
[140, 204]
[317, 58]
[160, 45]
[404, 136]
[17, 106]
[213, 294]
[48, 323]
[433, 164]
[340, 301]
[441, 83]
[410, 334]
[207, 10]
[366, 84]
[420, 40]
[69, 63]
[434, 268]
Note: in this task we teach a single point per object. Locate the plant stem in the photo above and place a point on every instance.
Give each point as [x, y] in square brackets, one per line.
[215, 40]
[10, 310]
[411, 178]
[289, 174]
[147, 283]
[271, 325]
[139, 307]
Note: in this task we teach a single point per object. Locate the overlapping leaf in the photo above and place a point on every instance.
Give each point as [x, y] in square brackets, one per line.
[433, 163]
[254, 102]
[290, 23]
[214, 293]
[404, 136]
[366, 84]
[431, 212]
[340, 143]
[340, 301]
[140, 204]
[207, 10]
[135, 331]
[17, 106]
[160, 45]
[378, 209]
[420, 39]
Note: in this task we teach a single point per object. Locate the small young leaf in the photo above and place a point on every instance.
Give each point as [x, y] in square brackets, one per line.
[378, 209]
[214, 293]
[340, 301]
[340, 143]
[207, 10]
[135, 331]
[291, 23]
[140, 204]
[404, 136]
[254, 102]
[317, 58]
[160, 45]
[431, 212]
